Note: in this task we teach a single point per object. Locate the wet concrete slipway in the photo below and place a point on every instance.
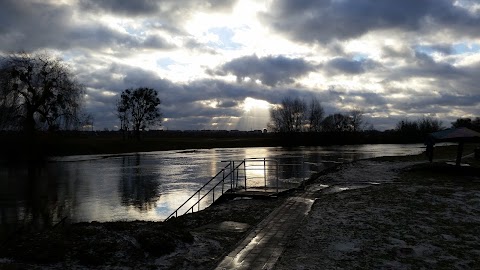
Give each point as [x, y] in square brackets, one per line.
[151, 185]
[264, 245]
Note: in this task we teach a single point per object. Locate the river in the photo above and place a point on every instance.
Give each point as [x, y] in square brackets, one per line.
[148, 185]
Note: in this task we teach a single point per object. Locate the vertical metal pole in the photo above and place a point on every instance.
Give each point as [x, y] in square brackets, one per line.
[199, 200]
[245, 172]
[265, 173]
[277, 176]
[303, 172]
[238, 172]
[223, 178]
[232, 175]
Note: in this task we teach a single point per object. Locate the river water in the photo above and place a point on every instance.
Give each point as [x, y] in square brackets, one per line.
[149, 185]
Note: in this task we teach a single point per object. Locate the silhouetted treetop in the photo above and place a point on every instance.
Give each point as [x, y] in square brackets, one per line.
[138, 109]
[38, 91]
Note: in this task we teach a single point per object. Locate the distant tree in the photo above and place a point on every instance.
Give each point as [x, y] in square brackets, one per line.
[428, 125]
[85, 122]
[462, 122]
[357, 120]
[294, 115]
[138, 108]
[468, 123]
[315, 116]
[38, 91]
[8, 102]
[476, 124]
[123, 113]
[419, 128]
[337, 123]
[289, 116]
[407, 127]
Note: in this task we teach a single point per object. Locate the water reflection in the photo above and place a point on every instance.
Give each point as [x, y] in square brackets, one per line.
[146, 186]
[137, 187]
[30, 198]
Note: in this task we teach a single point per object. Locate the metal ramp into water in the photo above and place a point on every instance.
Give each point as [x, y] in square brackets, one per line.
[249, 177]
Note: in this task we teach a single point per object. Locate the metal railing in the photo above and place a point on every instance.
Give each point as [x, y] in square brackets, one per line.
[274, 172]
[241, 177]
[226, 172]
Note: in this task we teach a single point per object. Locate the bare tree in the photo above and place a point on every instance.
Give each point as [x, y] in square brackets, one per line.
[316, 114]
[357, 120]
[123, 113]
[138, 108]
[407, 127]
[462, 122]
[8, 102]
[428, 125]
[337, 123]
[289, 116]
[40, 91]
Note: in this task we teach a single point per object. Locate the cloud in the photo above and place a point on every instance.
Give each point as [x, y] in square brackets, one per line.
[270, 70]
[341, 65]
[123, 7]
[169, 9]
[324, 21]
[35, 26]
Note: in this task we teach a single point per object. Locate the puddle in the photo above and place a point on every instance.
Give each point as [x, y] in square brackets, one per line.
[340, 188]
[230, 226]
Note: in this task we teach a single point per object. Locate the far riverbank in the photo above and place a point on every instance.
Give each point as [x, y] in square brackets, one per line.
[18, 147]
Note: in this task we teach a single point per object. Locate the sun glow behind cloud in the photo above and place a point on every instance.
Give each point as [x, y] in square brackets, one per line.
[255, 104]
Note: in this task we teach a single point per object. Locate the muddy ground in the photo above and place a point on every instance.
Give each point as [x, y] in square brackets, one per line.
[193, 241]
[390, 215]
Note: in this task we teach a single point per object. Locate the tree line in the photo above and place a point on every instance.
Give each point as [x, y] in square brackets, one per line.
[297, 115]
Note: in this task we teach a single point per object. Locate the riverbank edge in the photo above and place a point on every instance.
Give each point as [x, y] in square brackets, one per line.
[16, 146]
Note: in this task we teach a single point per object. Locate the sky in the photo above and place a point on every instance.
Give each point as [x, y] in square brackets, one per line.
[221, 64]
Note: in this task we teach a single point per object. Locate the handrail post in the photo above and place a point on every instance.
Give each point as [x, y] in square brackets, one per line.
[199, 200]
[232, 175]
[223, 184]
[303, 172]
[277, 176]
[223, 181]
[265, 172]
[245, 172]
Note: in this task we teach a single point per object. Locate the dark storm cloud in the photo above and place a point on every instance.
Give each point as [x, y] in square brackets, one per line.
[270, 70]
[343, 65]
[32, 26]
[168, 8]
[326, 20]
[124, 7]
[392, 53]
[422, 65]
[228, 103]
